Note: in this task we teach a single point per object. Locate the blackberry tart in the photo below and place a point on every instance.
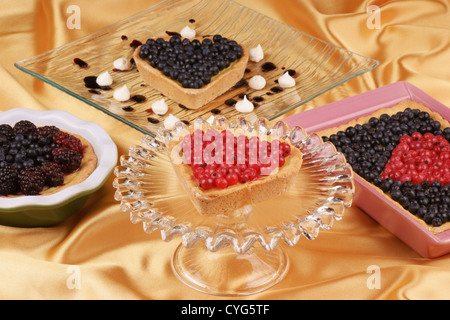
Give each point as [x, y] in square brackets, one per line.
[42, 160]
[404, 152]
[223, 170]
[191, 72]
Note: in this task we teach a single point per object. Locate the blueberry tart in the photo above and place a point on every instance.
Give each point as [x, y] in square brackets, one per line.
[191, 72]
[404, 152]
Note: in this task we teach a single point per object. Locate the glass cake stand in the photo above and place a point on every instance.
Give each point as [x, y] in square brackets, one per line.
[236, 254]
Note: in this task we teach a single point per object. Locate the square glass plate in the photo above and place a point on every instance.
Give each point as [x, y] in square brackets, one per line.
[318, 65]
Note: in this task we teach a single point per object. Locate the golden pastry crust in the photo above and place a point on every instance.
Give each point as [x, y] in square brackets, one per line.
[223, 201]
[401, 106]
[192, 98]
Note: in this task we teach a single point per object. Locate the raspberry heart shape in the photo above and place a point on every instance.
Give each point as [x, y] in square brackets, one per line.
[220, 159]
[193, 63]
[418, 158]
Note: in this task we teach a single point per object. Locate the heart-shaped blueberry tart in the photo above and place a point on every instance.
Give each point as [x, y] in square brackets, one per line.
[406, 155]
[191, 72]
[223, 170]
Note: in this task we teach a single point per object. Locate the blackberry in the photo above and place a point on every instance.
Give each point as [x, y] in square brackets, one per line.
[53, 174]
[31, 180]
[47, 131]
[8, 180]
[67, 159]
[25, 127]
[7, 131]
[67, 140]
[191, 63]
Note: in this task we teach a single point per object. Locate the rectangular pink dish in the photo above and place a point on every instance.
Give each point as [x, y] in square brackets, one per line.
[385, 212]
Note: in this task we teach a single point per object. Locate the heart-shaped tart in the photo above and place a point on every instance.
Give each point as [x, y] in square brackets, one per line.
[191, 72]
[404, 152]
[223, 170]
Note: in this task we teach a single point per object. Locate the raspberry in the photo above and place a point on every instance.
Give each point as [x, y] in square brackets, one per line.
[69, 141]
[25, 128]
[46, 131]
[8, 180]
[67, 159]
[420, 158]
[31, 180]
[53, 174]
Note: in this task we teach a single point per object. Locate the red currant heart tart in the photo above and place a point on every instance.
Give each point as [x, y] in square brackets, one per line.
[404, 152]
[41, 160]
[191, 72]
[224, 170]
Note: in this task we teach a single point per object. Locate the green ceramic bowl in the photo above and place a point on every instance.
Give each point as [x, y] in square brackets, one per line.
[48, 210]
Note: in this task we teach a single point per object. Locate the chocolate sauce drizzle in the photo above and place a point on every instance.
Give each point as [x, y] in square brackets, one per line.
[135, 43]
[80, 63]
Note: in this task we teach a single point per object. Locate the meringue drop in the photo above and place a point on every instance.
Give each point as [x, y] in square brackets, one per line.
[286, 81]
[188, 33]
[122, 94]
[160, 107]
[122, 64]
[257, 82]
[244, 106]
[104, 79]
[256, 54]
[170, 121]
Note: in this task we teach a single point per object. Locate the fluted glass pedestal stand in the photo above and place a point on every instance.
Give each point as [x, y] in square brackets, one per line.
[237, 254]
[227, 272]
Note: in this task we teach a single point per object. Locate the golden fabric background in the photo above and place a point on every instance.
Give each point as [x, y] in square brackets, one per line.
[118, 260]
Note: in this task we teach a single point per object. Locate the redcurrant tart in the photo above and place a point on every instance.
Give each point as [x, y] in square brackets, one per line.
[223, 170]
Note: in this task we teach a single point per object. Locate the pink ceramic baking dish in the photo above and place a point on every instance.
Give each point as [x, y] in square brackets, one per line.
[367, 198]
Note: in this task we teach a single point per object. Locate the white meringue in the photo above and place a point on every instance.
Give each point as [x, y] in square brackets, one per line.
[169, 122]
[160, 107]
[122, 64]
[244, 106]
[122, 94]
[256, 54]
[188, 33]
[257, 82]
[104, 79]
[286, 81]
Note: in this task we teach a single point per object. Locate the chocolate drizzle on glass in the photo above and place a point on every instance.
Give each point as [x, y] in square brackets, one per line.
[80, 63]
[138, 98]
[173, 33]
[152, 120]
[268, 66]
[135, 43]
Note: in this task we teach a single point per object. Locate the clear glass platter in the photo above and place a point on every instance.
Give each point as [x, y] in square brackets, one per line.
[318, 65]
[239, 253]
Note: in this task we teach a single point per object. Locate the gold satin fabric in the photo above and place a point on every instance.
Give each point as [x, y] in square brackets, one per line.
[118, 260]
